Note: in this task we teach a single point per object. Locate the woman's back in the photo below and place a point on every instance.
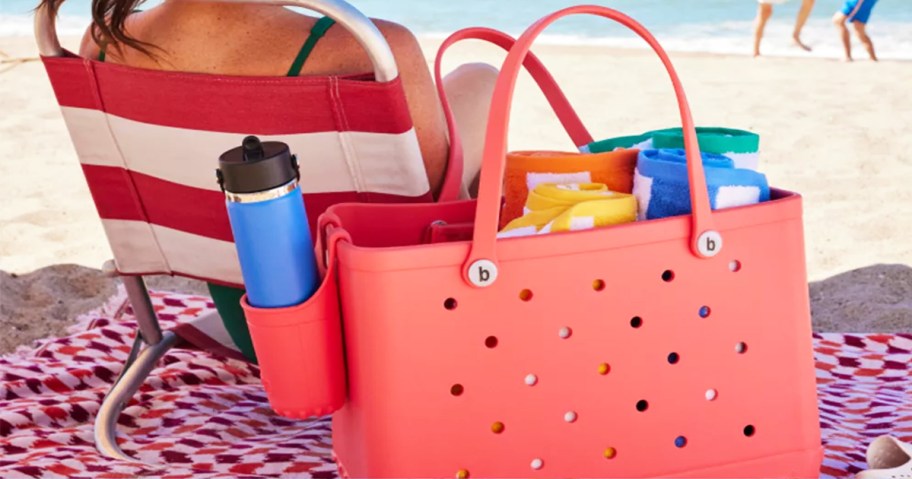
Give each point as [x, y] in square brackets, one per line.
[263, 40]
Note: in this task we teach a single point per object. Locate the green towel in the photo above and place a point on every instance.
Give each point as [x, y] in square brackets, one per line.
[741, 146]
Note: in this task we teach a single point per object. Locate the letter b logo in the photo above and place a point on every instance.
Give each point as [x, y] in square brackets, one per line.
[483, 273]
[709, 243]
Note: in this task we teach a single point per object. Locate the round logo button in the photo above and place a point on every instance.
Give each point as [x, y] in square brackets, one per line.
[483, 273]
[710, 243]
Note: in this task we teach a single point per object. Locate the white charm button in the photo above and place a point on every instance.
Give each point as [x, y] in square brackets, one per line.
[483, 273]
[710, 243]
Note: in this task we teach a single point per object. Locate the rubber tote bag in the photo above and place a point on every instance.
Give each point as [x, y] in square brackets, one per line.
[676, 347]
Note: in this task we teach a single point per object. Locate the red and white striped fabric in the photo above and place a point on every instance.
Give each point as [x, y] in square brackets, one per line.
[149, 142]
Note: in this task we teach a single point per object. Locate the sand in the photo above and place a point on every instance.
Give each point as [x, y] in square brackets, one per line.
[837, 133]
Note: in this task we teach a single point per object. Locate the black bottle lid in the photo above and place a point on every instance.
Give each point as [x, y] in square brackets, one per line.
[256, 166]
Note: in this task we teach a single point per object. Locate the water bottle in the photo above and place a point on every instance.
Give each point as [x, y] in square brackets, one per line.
[269, 223]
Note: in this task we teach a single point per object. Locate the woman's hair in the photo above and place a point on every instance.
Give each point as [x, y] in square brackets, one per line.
[108, 18]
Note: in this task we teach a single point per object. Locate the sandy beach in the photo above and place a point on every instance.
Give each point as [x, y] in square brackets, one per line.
[837, 133]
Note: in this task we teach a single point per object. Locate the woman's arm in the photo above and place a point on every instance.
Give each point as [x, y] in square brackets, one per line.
[423, 103]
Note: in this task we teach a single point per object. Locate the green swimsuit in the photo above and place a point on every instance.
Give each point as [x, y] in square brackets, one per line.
[228, 300]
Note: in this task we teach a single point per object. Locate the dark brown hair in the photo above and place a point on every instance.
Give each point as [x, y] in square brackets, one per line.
[108, 18]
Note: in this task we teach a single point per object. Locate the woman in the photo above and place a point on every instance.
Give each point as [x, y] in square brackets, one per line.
[765, 11]
[265, 40]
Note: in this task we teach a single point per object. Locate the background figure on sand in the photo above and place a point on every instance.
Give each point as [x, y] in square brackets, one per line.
[857, 12]
[765, 11]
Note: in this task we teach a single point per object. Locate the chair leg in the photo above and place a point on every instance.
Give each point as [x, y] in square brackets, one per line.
[139, 364]
[130, 381]
[142, 309]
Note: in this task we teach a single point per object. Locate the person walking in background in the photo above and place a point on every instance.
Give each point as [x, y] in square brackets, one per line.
[765, 11]
[857, 12]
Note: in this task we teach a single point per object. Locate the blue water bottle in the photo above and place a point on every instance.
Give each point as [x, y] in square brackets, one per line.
[269, 222]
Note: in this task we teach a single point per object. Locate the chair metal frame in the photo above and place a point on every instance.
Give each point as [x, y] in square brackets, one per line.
[151, 343]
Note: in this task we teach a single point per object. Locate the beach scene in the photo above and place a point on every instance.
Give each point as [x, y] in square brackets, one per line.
[837, 133]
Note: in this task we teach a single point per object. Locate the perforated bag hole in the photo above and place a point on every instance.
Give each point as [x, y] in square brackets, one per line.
[668, 276]
[642, 405]
[457, 390]
[450, 304]
[526, 295]
[491, 342]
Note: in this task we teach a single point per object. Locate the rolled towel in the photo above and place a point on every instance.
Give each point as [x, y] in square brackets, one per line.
[553, 208]
[638, 142]
[527, 169]
[662, 190]
[741, 146]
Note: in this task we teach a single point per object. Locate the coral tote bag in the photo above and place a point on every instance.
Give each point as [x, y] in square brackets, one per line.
[678, 347]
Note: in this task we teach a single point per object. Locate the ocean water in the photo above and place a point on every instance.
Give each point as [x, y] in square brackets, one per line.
[719, 26]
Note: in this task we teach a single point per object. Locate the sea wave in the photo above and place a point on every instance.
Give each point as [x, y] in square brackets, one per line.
[23, 25]
[892, 39]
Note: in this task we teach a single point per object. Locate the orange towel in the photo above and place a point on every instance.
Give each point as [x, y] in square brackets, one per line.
[527, 169]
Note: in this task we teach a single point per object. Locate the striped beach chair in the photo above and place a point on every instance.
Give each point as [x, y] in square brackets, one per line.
[149, 141]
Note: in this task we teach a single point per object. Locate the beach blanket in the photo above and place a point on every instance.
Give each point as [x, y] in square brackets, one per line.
[205, 414]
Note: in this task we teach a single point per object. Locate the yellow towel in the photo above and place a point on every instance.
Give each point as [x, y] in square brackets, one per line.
[553, 208]
[527, 169]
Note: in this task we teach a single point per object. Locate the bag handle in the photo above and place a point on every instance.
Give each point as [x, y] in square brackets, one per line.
[480, 269]
[452, 184]
[553, 93]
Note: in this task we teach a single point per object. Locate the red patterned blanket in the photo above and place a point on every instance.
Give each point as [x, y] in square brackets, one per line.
[205, 415]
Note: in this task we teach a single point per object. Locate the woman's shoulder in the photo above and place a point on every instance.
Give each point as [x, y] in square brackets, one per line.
[397, 36]
[401, 40]
[394, 31]
[339, 51]
[87, 47]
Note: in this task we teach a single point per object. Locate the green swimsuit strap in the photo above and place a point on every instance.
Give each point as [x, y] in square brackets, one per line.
[316, 33]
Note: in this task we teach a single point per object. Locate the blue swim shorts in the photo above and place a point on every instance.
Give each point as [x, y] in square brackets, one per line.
[858, 10]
